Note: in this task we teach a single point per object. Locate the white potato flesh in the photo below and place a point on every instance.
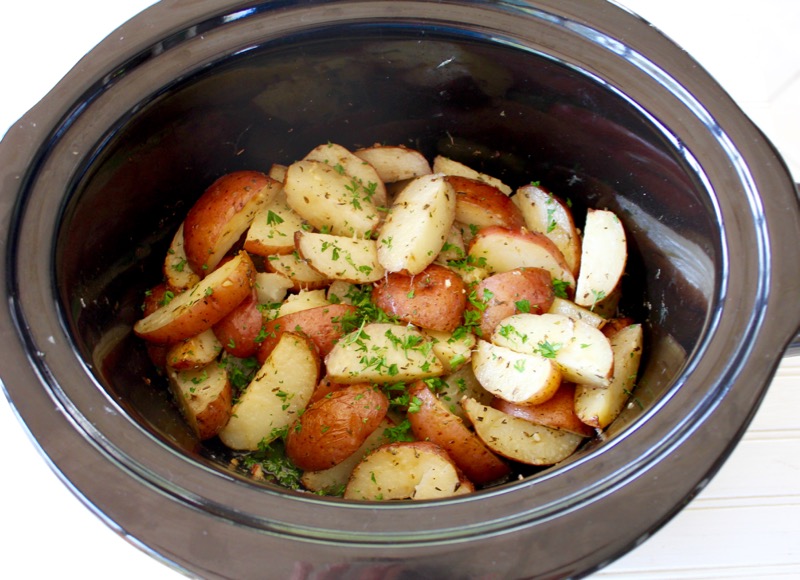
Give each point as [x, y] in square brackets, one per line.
[514, 376]
[394, 162]
[340, 258]
[276, 396]
[453, 351]
[442, 164]
[599, 407]
[339, 292]
[569, 308]
[204, 396]
[273, 228]
[383, 353]
[582, 352]
[501, 250]
[417, 226]
[453, 248]
[352, 165]
[417, 470]
[330, 200]
[195, 352]
[518, 439]
[277, 172]
[459, 384]
[303, 300]
[550, 216]
[293, 267]
[605, 253]
[271, 288]
[177, 271]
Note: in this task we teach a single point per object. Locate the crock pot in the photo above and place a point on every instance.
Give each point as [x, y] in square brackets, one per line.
[581, 94]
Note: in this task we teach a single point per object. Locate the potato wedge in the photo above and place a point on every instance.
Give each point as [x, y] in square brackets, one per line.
[481, 204]
[501, 249]
[323, 325]
[195, 352]
[599, 407]
[177, 271]
[303, 300]
[273, 228]
[275, 397]
[204, 396]
[527, 290]
[335, 426]
[431, 421]
[240, 332]
[417, 226]
[545, 213]
[293, 267]
[271, 287]
[575, 312]
[557, 412]
[433, 299]
[331, 200]
[518, 439]
[581, 352]
[223, 213]
[341, 292]
[383, 353]
[340, 258]
[605, 253]
[459, 384]
[417, 470]
[395, 162]
[202, 306]
[454, 350]
[342, 159]
[514, 376]
[442, 164]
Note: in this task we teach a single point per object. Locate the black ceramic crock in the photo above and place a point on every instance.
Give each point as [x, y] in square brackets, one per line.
[581, 95]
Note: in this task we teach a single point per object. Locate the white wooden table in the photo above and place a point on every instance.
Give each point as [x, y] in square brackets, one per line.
[745, 524]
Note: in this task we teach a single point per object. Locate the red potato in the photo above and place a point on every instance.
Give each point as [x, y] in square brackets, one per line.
[153, 300]
[177, 271]
[482, 205]
[273, 228]
[240, 333]
[322, 325]
[324, 388]
[442, 164]
[434, 299]
[506, 293]
[395, 162]
[223, 213]
[302, 276]
[334, 427]
[201, 307]
[433, 422]
[205, 398]
[195, 352]
[356, 167]
[605, 253]
[557, 412]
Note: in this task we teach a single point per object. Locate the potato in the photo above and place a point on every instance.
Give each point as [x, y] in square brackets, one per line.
[177, 271]
[271, 287]
[341, 292]
[334, 479]
[599, 407]
[518, 439]
[330, 200]
[454, 247]
[482, 205]
[339, 257]
[433, 299]
[417, 225]
[500, 249]
[506, 293]
[557, 412]
[276, 396]
[449, 166]
[513, 376]
[195, 352]
[605, 253]
[548, 215]
[155, 298]
[240, 333]
[413, 470]
[353, 166]
[575, 312]
[303, 300]
[323, 325]
[273, 228]
[223, 213]
[395, 162]
[431, 421]
[462, 383]
[302, 276]
[334, 427]
[454, 350]
[383, 353]
[204, 396]
[202, 306]
[581, 352]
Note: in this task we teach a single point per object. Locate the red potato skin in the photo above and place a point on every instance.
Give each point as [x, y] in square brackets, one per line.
[434, 299]
[434, 423]
[152, 301]
[240, 330]
[476, 198]
[212, 213]
[614, 325]
[557, 412]
[322, 325]
[335, 426]
[505, 290]
[325, 387]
